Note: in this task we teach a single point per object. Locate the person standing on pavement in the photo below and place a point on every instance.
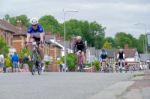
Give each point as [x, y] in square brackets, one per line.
[2, 62]
[15, 62]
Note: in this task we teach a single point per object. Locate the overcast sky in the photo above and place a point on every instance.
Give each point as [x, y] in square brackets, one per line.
[115, 15]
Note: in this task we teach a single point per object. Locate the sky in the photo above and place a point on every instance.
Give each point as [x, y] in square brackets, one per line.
[130, 16]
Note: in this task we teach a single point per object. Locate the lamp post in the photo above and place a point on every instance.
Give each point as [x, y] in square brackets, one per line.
[65, 12]
[145, 30]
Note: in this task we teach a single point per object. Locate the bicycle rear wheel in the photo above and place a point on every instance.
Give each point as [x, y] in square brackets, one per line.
[39, 70]
[33, 70]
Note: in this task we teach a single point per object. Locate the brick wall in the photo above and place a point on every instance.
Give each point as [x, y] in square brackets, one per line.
[8, 36]
[18, 42]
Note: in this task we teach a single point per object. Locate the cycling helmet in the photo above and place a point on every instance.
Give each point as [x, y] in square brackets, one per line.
[120, 50]
[34, 21]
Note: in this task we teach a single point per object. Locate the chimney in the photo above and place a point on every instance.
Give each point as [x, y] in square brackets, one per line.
[126, 46]
[18, 23]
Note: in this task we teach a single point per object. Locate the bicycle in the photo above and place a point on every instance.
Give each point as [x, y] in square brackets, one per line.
[121, 65]
[104, 66]
[35, 58]
[80, 66]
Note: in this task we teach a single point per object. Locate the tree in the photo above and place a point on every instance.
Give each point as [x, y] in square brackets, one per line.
[3, 46]
[97, 33]
[107, 45]
[50, 23]
[13, 20]
[92, 32]
[110, 40]
[73, 28]
[122, 38]
[7, 17]
[141, 43]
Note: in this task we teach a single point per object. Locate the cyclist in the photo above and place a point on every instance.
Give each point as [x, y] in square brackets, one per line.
[103, 59]
[36, 33]
[103, 55]
[121, 57]
[79, 48]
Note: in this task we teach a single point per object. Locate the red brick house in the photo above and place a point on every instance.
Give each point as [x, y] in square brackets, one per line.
[6, 32]
[14, 35]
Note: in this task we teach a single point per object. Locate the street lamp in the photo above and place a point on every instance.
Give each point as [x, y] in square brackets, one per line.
[65, 12]
[145, 30]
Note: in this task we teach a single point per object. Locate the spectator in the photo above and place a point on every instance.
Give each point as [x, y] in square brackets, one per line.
[15, 62]
[25, 59]
[2, 62]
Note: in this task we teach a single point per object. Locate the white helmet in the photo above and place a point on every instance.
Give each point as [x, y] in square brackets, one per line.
[121, 50]
[78, 37]
[34, 21]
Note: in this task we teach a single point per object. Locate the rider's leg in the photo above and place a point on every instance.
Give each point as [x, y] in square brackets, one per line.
[83, 57]
[40, 48]
[78, 56]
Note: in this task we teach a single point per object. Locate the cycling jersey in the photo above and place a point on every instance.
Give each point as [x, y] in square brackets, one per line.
[103, 54]
[121, 56]
[79, 46]
[38, 30]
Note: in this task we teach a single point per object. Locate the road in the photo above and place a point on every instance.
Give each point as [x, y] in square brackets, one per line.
[68, 85]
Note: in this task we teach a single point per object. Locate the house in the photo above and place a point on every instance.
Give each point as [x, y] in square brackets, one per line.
[6, 32]
[131, 54]
[19, 37]
[91, 54]
[16, 35]
[55, 47]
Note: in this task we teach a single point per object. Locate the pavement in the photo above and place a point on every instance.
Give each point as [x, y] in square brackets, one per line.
[140, 89]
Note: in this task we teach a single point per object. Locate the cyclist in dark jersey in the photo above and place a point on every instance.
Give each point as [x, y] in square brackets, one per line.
[121, 57]
[79, 47]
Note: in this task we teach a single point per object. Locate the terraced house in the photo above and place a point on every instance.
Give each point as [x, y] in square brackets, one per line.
[13, 35]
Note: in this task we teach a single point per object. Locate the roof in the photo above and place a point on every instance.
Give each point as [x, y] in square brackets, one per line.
[129, 53]
[144, 57]
[17, 30]
[110, 52]
[52, 39]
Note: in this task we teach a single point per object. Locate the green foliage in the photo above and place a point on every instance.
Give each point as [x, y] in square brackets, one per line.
[13, 20]
[71, 61]
[4, 48]
[122, 38]
[96, 64]
[107, 45]
[49, 23]
[111, 41]
[141, 44]
[8, 62]
[24, 52]
[92, 32]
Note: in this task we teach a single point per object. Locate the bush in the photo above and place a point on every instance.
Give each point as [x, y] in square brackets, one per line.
[8, 62]
[24, 52]
[71, 61]
[97, 65]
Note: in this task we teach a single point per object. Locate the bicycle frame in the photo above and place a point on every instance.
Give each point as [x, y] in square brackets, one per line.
[80, 62]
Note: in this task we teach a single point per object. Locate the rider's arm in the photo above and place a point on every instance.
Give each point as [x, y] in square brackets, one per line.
[29, 31]
[42, 36]
[28, 37]
[42, 33]
[117, 56]
[74, 47]
[123, 56]
[84, 47]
